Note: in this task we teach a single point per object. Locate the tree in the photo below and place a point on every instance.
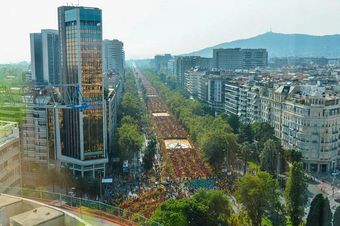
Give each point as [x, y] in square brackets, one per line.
[234, 122]
[246, 153]
[131, 105]
[336, 218]
[129, 140]
[204, 208]
[171, 213]
[128, 120]
[219, 146]
[258, 194]
[327, 213]
[240, 218]
[295, 194]
[246, 133]
[210, 208]
[292, 155]
[262, 132]
[320, 213]
[270, 156]
[149, 155]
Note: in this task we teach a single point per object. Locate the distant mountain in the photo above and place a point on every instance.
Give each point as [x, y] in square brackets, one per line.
[284, 45]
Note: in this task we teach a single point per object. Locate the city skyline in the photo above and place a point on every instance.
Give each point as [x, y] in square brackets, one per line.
[173, 31]
[226, 113]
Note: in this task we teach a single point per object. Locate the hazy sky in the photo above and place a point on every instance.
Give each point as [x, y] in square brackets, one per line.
[149, 27]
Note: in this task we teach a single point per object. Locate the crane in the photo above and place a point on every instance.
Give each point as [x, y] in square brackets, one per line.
[67, 96]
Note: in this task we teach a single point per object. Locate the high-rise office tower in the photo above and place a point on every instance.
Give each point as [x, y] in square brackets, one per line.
[82, 145]
[184, 63]
[113, 56]
[45, 57]
[227, 59]
[237, 58]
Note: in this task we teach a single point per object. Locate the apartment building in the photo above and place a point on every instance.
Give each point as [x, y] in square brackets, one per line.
[182, 64]
[215, 97]
[10, 167]
[193, 79]
[207, 86]
[34, 137]
[243, 101]
[304, 117]
[311, 124]
[161, 62]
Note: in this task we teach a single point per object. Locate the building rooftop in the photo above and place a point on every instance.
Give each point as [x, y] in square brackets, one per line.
[8, 131]
[8, 200]
[37, 216]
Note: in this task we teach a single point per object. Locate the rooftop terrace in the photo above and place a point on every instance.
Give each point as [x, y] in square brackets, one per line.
[8, 131]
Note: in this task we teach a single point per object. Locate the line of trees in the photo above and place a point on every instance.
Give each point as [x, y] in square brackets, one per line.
[129, 137]
[204, 208]
[211, 134]
[225, 137]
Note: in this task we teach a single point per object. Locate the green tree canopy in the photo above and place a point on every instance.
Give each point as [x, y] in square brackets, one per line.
[336, 218]
[247, 152]
[295, 194]
[246, 133]
[270, 156]
[131, 105]
[128, 120]
[204, 208]
[219, 146]
[233, 121]
[262, 131]
[319, 213]
[149, 154]
[259, 194]
[129, 140]
[292, 155]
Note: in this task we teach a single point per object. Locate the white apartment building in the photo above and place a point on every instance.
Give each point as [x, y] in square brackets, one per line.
[207, 86]
[243, 101]
[10, 168]
[305, 118]
[193, 80]
[311, 124]
[215, 98]
[232, 96]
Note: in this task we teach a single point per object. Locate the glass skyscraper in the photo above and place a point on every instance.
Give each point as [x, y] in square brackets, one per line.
[82, 132]
[45, 57]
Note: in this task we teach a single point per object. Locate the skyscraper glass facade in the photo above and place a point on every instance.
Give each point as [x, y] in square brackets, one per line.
[80, 30]
[45, 57]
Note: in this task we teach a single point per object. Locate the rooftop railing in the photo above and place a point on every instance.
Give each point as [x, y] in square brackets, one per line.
[92, 207]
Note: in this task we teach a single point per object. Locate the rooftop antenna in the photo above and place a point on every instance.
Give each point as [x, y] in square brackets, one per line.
[270, 29]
